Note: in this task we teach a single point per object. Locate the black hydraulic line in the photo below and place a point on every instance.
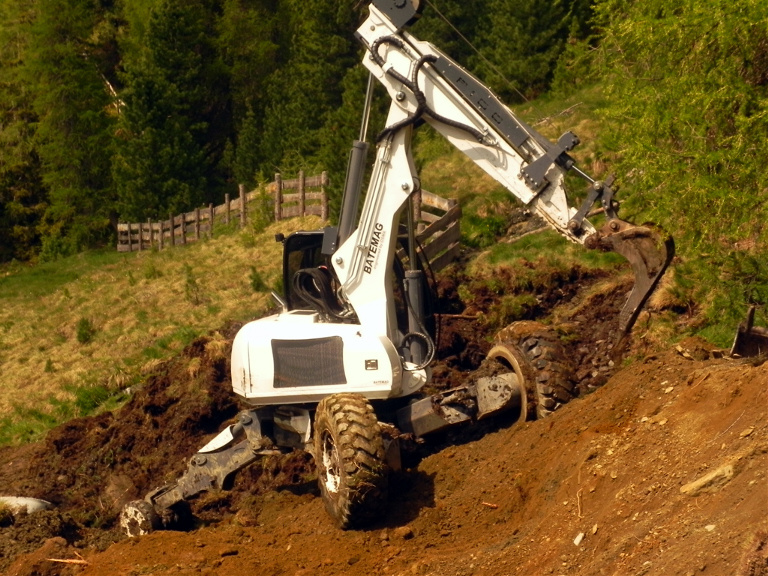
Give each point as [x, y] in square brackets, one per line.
[412, 84]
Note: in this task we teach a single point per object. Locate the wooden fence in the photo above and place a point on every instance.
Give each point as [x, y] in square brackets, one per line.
[438, 218]
[439, 231]
[309, 197]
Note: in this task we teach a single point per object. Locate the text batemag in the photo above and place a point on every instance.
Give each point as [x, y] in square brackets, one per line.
[373, 247]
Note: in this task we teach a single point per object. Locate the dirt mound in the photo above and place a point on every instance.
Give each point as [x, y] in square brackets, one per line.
[661, 471]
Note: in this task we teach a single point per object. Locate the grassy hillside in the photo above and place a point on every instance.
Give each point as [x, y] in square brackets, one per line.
[75, 333]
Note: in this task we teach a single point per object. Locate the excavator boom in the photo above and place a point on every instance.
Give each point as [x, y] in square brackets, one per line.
[426, 85]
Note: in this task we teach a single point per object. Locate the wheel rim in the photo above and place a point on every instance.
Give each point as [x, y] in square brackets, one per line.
[331, 469]
[509, 367]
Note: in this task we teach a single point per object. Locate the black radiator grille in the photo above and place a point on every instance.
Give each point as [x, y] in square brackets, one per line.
[313, 362]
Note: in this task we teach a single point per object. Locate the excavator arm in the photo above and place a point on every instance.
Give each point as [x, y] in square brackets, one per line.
[425, 85]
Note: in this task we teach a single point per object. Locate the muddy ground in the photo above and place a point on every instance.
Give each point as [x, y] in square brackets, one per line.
[659, 467]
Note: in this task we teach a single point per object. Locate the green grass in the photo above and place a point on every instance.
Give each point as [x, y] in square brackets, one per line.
[76, 332]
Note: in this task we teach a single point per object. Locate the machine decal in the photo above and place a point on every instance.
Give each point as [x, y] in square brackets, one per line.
[371, 364]
[373, 247]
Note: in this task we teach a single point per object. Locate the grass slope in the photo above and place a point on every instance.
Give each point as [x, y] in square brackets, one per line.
[75, 333]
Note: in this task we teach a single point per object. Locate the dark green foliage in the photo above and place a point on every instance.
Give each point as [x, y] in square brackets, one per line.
[437, 22]
[70, 43]
[249, 50]
[171, 117]
[521, 41]
[140, 109]
[315, 53]
[85, 330]
[690, 127]
[193, 292]
[23, 199]
[257, 282]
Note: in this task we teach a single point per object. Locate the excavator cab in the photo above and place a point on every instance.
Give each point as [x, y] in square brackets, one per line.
[301, 251]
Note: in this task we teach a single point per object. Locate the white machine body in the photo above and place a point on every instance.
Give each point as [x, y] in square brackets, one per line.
[292, 358]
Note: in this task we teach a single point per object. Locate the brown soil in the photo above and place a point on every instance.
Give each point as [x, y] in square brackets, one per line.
[604, 486]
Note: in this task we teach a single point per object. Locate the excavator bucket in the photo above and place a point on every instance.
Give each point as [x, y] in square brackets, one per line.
[649, 251]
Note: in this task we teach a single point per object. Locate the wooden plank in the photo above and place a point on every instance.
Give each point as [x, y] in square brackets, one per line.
[324, 201]
[443, 241]
[445, 258]
[453, 214]
[302, 192]
[429, 217]
[295, 198]
[309, 182]
[435, 201]
[140, 235]
[290, 211]
[278, 197]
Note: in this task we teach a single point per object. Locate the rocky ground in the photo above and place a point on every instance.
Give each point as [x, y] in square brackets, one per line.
[659, 467]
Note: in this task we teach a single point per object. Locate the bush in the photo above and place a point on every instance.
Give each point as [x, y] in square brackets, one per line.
[85, 331]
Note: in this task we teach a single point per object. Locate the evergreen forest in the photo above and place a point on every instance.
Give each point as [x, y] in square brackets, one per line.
[126, 110]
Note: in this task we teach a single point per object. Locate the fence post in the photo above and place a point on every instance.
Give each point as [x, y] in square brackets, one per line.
[324, 198]
[160, 238]
[173, 229]
[416, 202]
[278, 197]
[226, 210]
[197, 223]
[243, 215]
[183, 217]
[139, 227]
[302, 197]
[210, 218]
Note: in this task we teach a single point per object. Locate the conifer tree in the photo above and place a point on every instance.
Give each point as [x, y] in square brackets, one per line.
[318, 48]
[23, 198]
[64, 66]
[248, 49]
[173, 123]
[522, 40]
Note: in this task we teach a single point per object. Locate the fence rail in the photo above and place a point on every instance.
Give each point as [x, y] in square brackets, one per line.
[191, 226]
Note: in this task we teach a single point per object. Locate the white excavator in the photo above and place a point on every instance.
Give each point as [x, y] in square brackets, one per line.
[338, 371]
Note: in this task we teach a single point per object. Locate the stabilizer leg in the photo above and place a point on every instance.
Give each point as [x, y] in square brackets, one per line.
[211, 467]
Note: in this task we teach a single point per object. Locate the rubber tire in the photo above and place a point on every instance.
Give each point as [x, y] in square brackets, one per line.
[540, 361]
[351, 466]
